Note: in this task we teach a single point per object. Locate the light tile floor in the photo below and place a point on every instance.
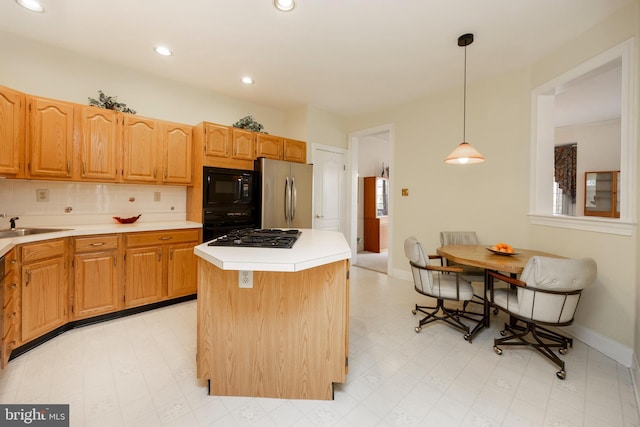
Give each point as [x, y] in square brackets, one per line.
[140, 371]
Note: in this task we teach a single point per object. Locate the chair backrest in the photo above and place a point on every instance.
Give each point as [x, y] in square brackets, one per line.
[458, 238]
[565, 276]
[422, 279]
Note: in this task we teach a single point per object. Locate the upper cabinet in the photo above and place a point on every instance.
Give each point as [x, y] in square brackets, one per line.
[601, 194]
[177, 153]
[295, 151]
[99, 143]
[269, 146]
[242, 142]
[140, 137]
[12, 132]
[217, 140]
[49, 138]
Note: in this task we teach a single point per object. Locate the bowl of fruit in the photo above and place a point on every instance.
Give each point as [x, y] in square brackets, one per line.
[129, 220]
[502, 249]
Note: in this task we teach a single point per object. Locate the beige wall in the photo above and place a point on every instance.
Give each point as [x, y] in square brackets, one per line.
[60, 74]
[493, 198]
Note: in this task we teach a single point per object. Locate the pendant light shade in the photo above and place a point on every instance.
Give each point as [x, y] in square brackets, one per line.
[464, 153]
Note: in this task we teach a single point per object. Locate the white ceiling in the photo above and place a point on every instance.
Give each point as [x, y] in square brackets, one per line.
[344, 56]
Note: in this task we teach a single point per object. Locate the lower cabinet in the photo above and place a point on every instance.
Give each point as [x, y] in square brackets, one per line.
[159, 265]
[44, 290]
[10, 297]
[96, 276]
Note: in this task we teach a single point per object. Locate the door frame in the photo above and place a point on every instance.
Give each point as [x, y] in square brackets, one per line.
[352, 206]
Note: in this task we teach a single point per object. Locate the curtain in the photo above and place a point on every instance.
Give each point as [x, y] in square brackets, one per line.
[565, 168]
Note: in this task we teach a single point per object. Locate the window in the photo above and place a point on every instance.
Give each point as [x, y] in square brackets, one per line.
[545, 203]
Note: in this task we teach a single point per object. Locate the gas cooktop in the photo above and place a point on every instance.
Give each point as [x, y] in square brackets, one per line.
[262, 238]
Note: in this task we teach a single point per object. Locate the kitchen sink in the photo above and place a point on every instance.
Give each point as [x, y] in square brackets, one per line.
[17, 232]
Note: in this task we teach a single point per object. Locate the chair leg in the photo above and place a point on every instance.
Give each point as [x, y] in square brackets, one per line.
[518, 335]
[452, 317]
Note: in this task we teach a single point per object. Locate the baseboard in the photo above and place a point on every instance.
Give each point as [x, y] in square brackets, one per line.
[635, 379]
[605, 345]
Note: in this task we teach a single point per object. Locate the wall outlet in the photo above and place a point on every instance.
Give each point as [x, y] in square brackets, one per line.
[42, 195]
[156, 196]
[245, 279]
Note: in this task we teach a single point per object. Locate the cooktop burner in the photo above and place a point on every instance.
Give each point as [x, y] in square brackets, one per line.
[262, 238]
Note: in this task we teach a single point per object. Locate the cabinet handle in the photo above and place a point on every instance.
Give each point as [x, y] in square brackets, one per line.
[115, 260]
[155, 172]
[13, 261]
[68, 167]
[11, 315]
[159, 256]
[166, 238]
[170, 253]
[98, 244]
[166, 173]
[13, 286]
[84, 169]
[28, 278]
[12, 344]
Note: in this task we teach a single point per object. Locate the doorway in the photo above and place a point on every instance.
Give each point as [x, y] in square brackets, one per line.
[371, 153]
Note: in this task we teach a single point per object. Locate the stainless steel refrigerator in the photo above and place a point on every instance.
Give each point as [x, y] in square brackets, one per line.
[285, 194]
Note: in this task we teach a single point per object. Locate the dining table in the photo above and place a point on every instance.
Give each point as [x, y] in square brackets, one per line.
[482, 256]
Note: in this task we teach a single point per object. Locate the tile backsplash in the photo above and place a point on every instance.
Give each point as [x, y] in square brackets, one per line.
[65, 203]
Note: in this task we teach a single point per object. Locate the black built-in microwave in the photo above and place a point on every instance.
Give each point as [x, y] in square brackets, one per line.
[223, 186]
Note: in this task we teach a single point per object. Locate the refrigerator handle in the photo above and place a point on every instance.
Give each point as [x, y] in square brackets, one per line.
[294, 198]
[286, 199]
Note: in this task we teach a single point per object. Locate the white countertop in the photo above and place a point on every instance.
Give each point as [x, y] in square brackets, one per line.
[312, 249]
[84, 230]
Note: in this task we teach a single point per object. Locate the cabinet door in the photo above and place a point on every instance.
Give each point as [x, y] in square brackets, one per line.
[177, 154]
[243, 144]
[44, 297]
[141, 147]
[295, 151]
[217, 140]
[95, 284]
[269, 146]
[98, 143]
[50, 138]
[12, 119]
[182, 270]
[143, 277]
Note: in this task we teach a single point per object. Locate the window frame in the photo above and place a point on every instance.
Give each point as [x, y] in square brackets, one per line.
[542, 142]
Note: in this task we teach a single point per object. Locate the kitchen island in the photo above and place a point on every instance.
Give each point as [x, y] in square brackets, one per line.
[274, 322]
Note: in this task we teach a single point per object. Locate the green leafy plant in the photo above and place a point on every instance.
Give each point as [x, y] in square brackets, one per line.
[110, 103]
[249, 123]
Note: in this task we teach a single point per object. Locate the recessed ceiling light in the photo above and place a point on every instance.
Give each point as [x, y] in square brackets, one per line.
[247, 80]
[161, 50]
[284, 5]
[32, 5]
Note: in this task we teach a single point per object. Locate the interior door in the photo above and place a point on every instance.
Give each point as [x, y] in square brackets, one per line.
[329, 181]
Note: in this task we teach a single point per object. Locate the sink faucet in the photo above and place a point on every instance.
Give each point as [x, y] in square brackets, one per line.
[12, 222]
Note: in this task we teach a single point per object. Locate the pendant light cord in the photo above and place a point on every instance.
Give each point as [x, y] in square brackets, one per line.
[464, 102]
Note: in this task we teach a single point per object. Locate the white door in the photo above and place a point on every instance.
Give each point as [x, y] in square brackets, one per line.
[329, 172]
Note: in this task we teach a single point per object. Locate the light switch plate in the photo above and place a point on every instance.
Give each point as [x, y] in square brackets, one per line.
[156, 196]
[245, 279]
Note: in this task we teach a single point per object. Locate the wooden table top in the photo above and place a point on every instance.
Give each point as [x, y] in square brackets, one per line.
[480, 256]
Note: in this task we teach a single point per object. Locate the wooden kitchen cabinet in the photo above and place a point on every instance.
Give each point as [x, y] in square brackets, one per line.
[182, 270]
[12, 132]
[96, 276]
[99, 136]
[177, 154]
[44, 287]
[140, 140]
[242, 142]
[269, 146]
[10, 298]
[294, 151]
[217, 140]
[49, 138]
[157, 264]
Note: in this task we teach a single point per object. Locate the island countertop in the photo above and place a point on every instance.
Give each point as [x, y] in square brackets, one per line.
[312, 249]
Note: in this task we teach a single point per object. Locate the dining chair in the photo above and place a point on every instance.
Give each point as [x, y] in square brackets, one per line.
[469, 274]
[431, 280]
[547, 293]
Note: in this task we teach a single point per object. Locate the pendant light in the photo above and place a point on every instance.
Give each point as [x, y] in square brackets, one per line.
[464, 154]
